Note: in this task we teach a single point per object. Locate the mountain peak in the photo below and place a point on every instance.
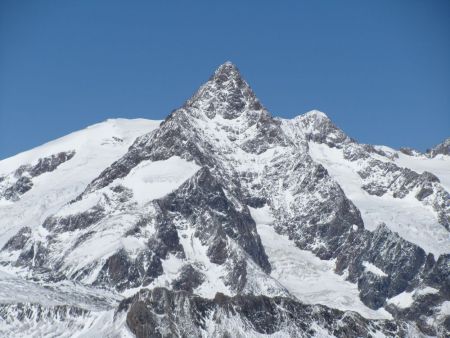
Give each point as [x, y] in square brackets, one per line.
[442, 148]
[227, 71]
[226, 93]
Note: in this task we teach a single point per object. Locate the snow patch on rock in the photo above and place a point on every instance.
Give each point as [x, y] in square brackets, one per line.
[151, 180]
[373, 269]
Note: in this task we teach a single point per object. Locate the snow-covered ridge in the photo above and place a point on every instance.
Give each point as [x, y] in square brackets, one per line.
[110, 132]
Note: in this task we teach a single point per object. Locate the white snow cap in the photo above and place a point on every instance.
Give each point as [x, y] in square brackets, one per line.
[229, 69]
[316, 113]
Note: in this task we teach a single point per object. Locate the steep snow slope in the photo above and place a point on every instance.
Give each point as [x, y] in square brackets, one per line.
[95, 148]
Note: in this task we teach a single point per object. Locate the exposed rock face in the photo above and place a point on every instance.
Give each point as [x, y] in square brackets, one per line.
[164, 313]
[442, 148]
[77, 221]
[20, 187]
[19, 240]
[26, 320]
[122, 271]
[50, 163]
[36, 312]
[189, 279]
[216, 218]
[235, 95]
[310, 219]
[401, 262]
[410, 151]
[434, 323]
[198, 236]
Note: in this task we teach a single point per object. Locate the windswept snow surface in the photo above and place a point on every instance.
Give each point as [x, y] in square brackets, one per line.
[408, 217]
[307, 277]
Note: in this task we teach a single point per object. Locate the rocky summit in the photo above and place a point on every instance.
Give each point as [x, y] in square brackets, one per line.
[224, 221]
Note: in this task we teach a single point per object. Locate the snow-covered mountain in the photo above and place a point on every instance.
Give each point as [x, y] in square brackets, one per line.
[224, 221]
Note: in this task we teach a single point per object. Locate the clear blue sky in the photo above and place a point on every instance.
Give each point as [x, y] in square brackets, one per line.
[380, 69]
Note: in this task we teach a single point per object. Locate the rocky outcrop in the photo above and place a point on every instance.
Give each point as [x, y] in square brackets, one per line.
[77, 221]
[189, 279]
[440, 149]
[383, 177]
[30, 319]
[425, 311]
[20, 181]
[37, 312]
[215, 218]
[410, 151]
[400, 261]
[319, 217]
[48, 164]
[18, 241]
[163, 313]
[122, 271]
